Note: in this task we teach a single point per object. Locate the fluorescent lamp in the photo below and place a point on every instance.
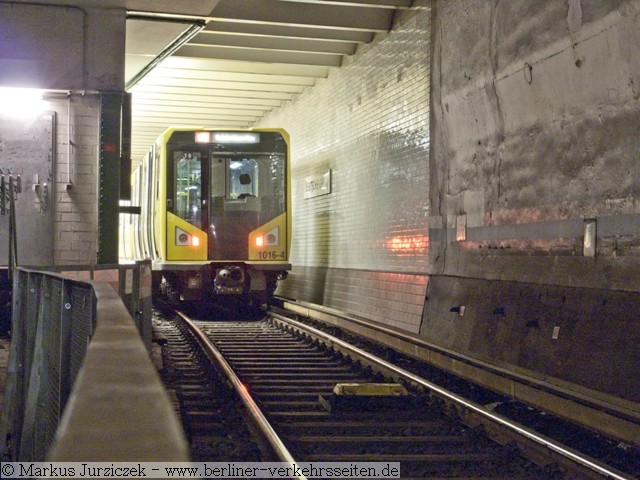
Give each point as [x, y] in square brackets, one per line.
[21, 102]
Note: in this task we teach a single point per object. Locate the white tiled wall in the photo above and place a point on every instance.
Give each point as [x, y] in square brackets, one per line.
[76, 218]
[369, 123]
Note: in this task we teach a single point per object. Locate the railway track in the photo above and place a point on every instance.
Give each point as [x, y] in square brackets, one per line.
[287, 376]
[211, 414]
[291, 376]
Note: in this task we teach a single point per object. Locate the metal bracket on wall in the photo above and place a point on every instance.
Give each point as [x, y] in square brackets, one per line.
[461, 228]
[42, 194]
[10, 187]
[589, 239]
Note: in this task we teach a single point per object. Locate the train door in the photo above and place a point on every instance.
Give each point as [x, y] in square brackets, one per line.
[187, 203]
[235, 203]
[146, 204]
[153, 192]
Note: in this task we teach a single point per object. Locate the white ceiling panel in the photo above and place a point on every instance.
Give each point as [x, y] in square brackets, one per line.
[227, 63]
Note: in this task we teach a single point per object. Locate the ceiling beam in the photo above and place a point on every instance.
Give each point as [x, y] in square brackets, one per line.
[273, 43]
[197, 103]
[234, 65]
[170, 119]
[215, 85]
[304, 14]
[404, 4]
[290, 31]
[162, 95]
[231, 76]
[154, 109]
[258, 55]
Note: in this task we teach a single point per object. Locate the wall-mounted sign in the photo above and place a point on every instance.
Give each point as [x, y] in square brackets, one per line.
[316, 185]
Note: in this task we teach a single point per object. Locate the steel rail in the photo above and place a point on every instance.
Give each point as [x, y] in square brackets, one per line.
[575, 396]
[254, 411]
[479, 409]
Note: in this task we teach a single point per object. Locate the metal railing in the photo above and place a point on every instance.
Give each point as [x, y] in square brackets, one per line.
[61, 326]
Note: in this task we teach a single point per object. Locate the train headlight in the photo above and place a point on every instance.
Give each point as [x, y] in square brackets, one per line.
[269, 239]
[195, 241]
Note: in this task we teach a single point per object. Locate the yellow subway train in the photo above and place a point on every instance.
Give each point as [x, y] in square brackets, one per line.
[215, 214]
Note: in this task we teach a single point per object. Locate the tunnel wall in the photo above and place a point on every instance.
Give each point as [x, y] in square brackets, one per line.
[55, 155]
[535, 188]
[363, 247]
[75, 52]
[531, 252]
[536, 119]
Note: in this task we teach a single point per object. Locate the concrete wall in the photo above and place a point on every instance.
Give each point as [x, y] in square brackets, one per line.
[57, 208]
[535, 127]
[534, 121]
[64, 48]
[78, 51]
[363, 247]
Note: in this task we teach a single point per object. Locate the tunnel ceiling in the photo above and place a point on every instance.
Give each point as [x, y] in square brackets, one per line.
[227, 63]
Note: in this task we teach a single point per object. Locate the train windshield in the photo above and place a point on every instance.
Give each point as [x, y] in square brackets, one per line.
[243, 178]
[227, 184]
[246, 191]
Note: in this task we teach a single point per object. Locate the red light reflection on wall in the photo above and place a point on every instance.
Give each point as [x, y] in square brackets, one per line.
[406, 244]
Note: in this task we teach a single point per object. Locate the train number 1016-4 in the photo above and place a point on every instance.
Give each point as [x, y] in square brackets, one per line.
[271, 255]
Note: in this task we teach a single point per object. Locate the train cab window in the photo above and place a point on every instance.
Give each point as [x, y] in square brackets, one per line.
[250, 185]
[243, 178]
[188, 186]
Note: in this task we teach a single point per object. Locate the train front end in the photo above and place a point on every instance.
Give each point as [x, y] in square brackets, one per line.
[226, 221]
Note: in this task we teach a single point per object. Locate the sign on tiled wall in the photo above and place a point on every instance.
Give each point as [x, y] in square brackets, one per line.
[317, 185]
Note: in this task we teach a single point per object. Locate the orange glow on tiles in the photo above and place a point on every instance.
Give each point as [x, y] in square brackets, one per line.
[408, 244]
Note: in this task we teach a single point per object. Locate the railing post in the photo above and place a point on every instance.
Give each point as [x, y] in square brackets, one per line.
[65, 341]
[13, 405]
[32, 443]
[26, 301]
[142, 301]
